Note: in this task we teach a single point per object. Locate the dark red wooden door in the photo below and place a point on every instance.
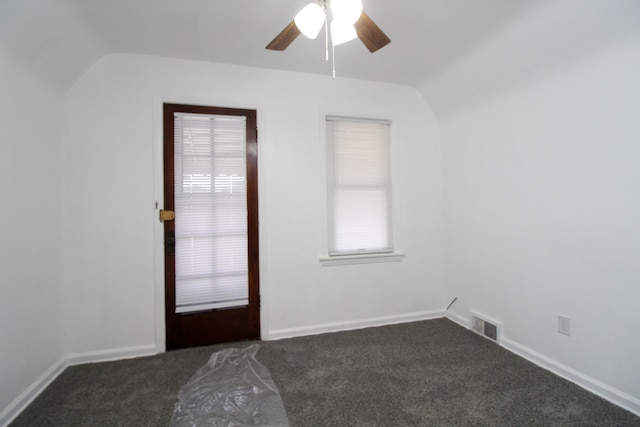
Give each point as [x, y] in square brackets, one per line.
[214, 314]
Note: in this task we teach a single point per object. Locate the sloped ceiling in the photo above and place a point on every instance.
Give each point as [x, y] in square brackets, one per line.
[451, 50]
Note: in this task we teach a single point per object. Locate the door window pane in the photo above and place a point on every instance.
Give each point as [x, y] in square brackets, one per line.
[211, 211]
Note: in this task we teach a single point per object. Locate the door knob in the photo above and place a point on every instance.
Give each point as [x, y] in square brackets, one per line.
[167, 215]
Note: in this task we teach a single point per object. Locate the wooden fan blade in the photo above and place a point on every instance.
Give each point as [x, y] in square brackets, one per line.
[370, 34]
[285, 38]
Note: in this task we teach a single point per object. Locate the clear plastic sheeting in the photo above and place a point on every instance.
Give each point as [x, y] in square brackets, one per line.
[232, 389]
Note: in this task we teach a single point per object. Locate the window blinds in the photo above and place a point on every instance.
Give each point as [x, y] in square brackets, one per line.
[358, 186]
[211, 211]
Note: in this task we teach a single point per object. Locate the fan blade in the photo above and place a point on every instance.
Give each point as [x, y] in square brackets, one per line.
[285, 38]
[370, 34]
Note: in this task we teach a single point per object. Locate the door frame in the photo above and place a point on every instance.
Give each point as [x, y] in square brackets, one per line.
[157, 204]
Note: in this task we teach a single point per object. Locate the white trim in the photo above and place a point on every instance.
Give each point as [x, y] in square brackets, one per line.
[349, 325]
[42, 382]
[613, 395]
[456, 318]
[396, 185]
[331, 118]
[109, 355]
[361, 258]
[593, 385]
[25, 398]
[158, 179]
[158, 227]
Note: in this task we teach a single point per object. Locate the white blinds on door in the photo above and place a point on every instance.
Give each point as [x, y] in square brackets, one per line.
[211, 212]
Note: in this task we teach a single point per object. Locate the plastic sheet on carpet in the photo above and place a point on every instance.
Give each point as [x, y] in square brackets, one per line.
[233, 389]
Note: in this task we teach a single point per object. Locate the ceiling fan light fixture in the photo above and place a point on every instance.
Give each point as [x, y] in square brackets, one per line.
[310, 20]
[346, 10]
[348, 21]
[342, 32]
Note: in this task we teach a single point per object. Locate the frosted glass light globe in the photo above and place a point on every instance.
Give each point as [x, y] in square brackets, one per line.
[310, 20]
[342, 31]
[346, 10]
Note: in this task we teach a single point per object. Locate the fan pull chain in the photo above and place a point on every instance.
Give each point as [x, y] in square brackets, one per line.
[333, 57]
[323, 4]
[326, 37]
[326, 44]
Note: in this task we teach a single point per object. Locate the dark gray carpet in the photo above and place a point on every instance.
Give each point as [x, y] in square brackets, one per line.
[431, 373]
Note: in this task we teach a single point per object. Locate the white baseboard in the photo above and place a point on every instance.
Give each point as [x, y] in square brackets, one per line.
[22, 401]
[458, 319]
[613, 395]
[596, 387]
[26, 397]
[351, 325]
[108, 355]
[605, 391]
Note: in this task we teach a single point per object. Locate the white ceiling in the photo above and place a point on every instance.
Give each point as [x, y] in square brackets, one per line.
[445, 48]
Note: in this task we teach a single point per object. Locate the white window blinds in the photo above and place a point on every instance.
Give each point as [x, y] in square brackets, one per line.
[358, 186]
[211, 211]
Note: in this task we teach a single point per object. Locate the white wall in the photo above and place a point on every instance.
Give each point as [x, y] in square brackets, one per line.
[112, 175]
[31, 283]
[540, 179]
[542, 209]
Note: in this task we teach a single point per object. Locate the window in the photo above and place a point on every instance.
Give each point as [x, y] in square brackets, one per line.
[211, 209]
[359, 199]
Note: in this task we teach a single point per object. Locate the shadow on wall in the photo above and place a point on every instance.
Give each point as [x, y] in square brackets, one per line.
[549, 36]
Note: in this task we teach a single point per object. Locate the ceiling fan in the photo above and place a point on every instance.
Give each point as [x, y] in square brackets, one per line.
[344, 19]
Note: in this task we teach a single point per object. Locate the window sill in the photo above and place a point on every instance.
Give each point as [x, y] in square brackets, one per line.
[361, 259]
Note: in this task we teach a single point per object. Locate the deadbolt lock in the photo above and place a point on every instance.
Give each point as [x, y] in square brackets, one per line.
[167, 215]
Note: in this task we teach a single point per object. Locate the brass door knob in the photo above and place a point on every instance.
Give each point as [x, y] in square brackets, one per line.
[167, 215]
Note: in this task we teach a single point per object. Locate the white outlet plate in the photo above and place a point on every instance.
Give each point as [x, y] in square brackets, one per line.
[564, 325]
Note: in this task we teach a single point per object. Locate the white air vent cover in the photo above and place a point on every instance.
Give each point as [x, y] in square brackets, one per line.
[487, 328]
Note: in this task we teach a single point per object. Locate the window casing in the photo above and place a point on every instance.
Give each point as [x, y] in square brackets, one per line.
[359, 189]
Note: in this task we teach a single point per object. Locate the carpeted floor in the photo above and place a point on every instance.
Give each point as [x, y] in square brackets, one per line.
[430, 373]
